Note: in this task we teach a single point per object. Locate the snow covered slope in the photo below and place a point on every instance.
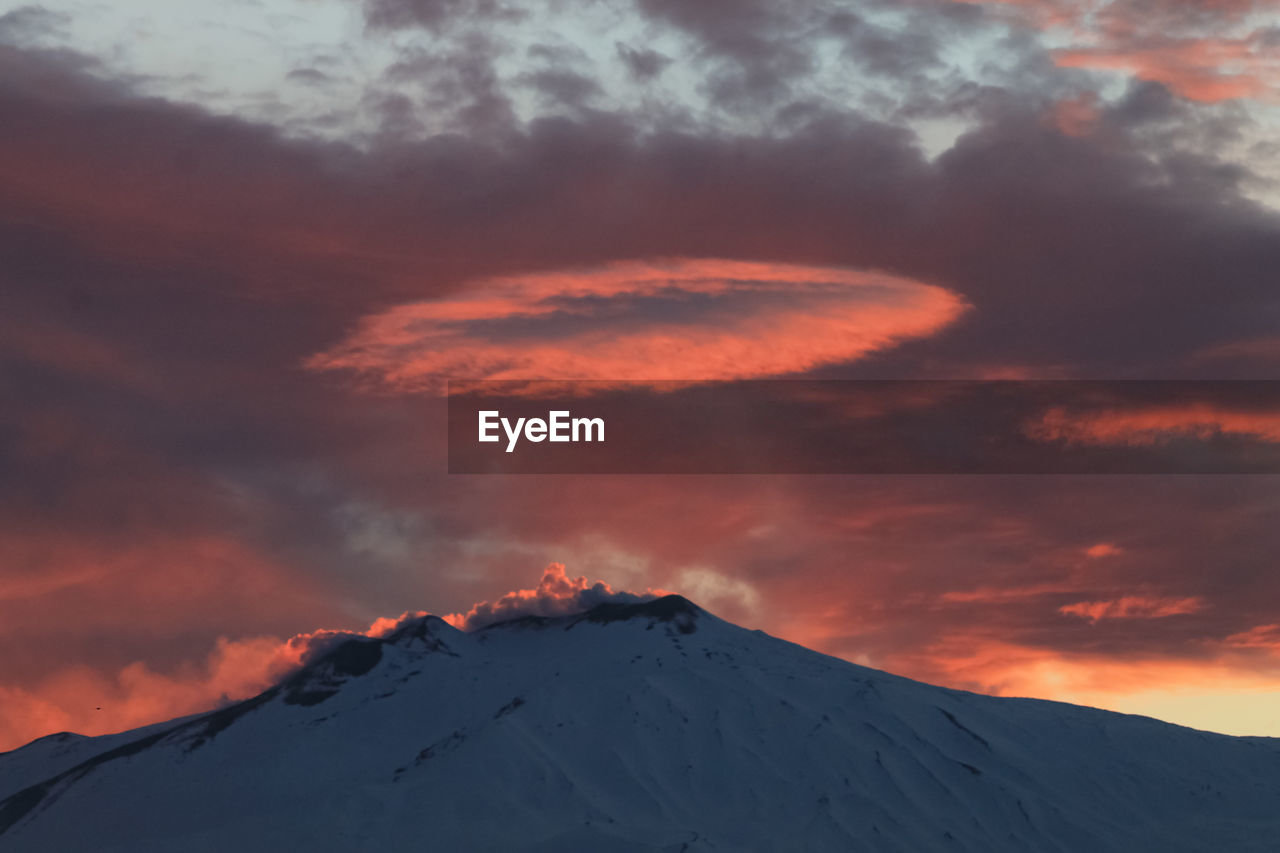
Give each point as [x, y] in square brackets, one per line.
[636, 727]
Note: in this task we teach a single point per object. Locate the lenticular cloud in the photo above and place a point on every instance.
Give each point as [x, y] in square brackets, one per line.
[671, 320]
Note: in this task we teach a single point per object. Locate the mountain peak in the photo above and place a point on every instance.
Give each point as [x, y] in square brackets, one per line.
[430, 630]
[676, 609]
[597, 732]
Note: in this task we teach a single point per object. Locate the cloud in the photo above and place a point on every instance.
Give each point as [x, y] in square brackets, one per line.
[1220, 692]
[192, 261]
[677, 319]
[729, 596]
[1204, 50]
[87, 701]
[384, 625]
[1132, 607]
[1202, 69]
[1076, 116]
[1265, 637]
[643, 63]
[30, 23]
[1147, 426]
[434, 14]
[1004, 594]
[556, 595]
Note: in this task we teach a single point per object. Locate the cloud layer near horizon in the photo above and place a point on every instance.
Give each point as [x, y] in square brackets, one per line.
[979, 659]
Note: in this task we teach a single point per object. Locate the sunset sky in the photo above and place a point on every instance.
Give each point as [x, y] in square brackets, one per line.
[244, 244]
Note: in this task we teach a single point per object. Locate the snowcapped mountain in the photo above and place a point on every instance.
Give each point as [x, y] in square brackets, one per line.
[646, 726]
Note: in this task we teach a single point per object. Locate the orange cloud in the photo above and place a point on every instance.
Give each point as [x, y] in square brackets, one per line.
[85, 701]
[164, 585]
[1153, 425]
[677, 319]
[1218, 687]
[1258, 637]
[1003, 594]
[1102, 549]
[1132, 607]
[1190, 692]
[123, 608]
[384, 625]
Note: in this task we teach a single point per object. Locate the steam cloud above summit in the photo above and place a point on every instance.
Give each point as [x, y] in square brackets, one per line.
[237, 669]
[557, 594]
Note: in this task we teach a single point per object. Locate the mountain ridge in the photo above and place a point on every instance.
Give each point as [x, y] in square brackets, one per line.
[640, 726]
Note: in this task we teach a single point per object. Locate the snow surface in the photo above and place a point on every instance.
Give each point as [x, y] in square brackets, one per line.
[635, 727]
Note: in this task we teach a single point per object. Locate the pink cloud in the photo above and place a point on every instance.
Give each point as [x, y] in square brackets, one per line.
[1153, 425]
[1076, 116]
[1203, 50]
[87, 701]
[675, 319]
[1132, 607]
[1258, 637]
[1102, 549]
[1201, 69]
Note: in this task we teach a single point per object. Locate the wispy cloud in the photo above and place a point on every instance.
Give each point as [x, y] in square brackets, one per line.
[1132, 607]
